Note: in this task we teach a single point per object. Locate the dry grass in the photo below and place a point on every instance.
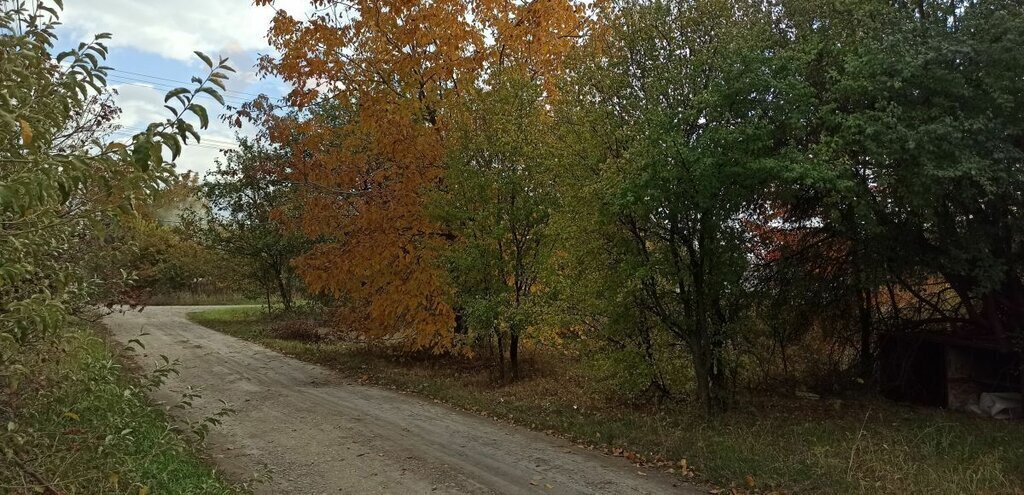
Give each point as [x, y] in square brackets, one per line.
[762, 445]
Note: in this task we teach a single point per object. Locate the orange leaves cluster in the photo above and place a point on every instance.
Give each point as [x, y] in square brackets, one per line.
[376, 83]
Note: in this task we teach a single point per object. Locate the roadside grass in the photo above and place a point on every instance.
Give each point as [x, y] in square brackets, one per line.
[761, 445]
[81, 423]
[186, 298]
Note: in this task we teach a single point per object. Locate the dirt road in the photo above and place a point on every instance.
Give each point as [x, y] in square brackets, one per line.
[304, 429]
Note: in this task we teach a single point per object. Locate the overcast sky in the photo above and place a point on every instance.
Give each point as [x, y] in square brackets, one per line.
[151, 52]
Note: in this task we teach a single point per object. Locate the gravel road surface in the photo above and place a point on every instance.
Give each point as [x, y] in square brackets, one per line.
[303, 429]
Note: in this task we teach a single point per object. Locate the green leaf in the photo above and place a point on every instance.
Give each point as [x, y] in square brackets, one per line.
[171, 141]
[214, 93]
[140, 155]
[175, 93]
[202, 56]
[200, 111]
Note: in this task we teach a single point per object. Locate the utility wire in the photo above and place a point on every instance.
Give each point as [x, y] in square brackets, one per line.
[125, 136]
[144, 84]
[134, 130]
[176, 81]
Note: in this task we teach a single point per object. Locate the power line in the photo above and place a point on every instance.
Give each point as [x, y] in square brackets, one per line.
[144, 84]
[177, 81]
[205, 144]
[134, 130]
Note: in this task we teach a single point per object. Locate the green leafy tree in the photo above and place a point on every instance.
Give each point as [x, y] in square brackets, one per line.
[915, 133]
[682, 105]
[495, 202]
[249, 205]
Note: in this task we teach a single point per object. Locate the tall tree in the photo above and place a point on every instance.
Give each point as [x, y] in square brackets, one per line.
[682, 102]
[496, 200]
[391, 70]
[246, 199]
[914, 115]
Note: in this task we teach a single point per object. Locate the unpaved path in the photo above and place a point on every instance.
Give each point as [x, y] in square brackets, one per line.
[307, 430]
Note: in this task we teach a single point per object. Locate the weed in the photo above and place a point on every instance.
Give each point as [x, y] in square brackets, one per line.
[79, 423]
[791, 445]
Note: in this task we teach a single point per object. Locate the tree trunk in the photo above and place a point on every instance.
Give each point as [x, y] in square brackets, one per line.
[283, 289]
[866, 358]
[705, 388]
[460, 323]
[710, 378]
[513, 354]
[266, 292]
[501, 354]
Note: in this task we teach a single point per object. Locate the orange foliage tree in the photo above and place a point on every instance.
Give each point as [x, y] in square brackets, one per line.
[374, 86]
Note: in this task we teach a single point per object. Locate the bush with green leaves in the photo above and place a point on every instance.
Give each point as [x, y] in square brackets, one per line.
[65, 187]
[57, 201]
[496, 202]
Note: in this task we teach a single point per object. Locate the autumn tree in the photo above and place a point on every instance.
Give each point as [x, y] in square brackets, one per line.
[387, 74]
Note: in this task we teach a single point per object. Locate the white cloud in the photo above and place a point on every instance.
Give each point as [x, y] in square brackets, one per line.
[173, 29]
[170, 31]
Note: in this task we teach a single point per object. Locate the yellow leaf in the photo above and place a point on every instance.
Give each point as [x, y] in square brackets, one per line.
[71, 415]
[144, 490]
[26, 133]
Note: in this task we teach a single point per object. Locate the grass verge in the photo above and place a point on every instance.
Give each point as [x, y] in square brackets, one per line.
[185, 298]
[762, 445]
[80, 423]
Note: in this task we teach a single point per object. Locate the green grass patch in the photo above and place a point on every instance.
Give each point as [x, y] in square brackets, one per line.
[789, 445]
[80, 423]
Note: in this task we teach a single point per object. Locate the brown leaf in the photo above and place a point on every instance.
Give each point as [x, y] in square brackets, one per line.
[26, 133]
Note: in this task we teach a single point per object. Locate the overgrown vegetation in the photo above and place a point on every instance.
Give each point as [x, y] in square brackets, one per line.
[848, 445]
[81, 423]
[169, 264]
[71, 199]
[705, 209]
[727, 194]
[245, 204]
